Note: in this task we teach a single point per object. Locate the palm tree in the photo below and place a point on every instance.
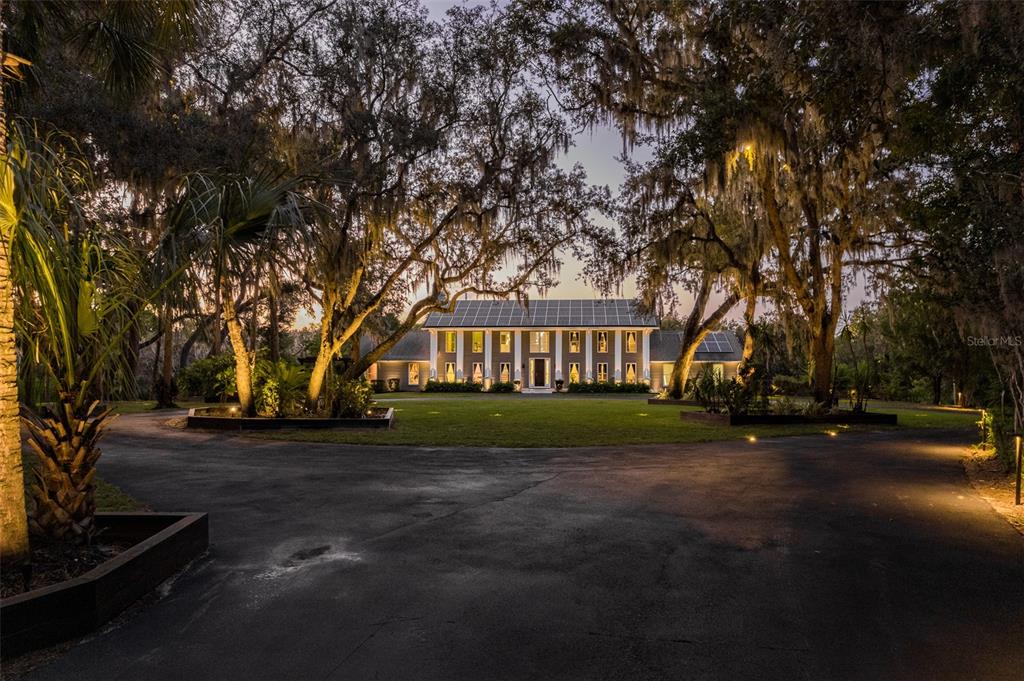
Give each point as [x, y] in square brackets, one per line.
[243, 221]
[120, 41]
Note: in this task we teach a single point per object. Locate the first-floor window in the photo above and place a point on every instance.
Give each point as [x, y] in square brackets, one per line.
[503, 372]
[478, 372]
[449, 372]
[414, 373]
[602, 371]
[719, 370]
[630, 372]
[574, 372]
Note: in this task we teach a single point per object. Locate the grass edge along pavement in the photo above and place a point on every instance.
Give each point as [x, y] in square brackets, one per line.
[564, 421]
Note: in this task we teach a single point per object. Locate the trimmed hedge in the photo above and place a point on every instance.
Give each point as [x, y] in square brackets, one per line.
[452, 387]
[609, 387]
[503, 387]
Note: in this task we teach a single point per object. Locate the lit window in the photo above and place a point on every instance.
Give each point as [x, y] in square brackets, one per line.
[574, 372]
[414, 373]
[631, 341]
[505, 341]
[449, 341]
[478, 341]
[574, 341]
[630, 372]
[719, 370]
[478, 372]
[449, 372]
[666, 374]
[602, 371]
[504, 369]
[539, 341]
[602, 341]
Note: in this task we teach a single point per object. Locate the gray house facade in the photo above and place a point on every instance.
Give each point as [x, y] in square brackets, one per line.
[573, 341]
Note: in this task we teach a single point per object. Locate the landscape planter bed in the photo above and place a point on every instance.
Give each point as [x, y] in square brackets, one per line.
[164, 543]
[208, 418]
[847, 418]
[678, 403]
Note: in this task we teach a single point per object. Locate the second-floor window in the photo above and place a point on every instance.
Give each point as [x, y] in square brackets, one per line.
[631, 341]
[478, 341]
[539, 341]
[449, 341]
[602, 341]
[505, 341]
[574, 341]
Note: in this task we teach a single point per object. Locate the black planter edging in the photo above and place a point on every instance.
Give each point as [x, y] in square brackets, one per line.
[194, 420]
[849, 418]
[166, 543]
[678, 403]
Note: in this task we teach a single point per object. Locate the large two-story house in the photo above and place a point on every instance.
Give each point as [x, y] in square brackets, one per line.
[573, 341]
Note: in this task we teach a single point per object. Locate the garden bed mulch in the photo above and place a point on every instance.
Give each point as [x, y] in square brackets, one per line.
[56, 562]
[992, 479]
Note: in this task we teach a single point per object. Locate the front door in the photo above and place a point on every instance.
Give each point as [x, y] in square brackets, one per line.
[539, 373]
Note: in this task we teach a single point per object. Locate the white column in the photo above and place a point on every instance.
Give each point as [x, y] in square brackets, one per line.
[618, 355]
[433, 355]
[558, 354]
[647, 355]
[487, 353]
[460, 337]
[517, 347]
[588, 367]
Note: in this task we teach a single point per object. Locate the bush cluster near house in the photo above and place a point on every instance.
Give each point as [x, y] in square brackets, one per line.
[503, 387]
[453, 387]
[609, 387]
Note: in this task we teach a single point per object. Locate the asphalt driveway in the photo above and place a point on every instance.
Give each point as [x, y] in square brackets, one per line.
[865, 556]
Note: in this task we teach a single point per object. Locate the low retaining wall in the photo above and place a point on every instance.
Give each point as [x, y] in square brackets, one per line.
[198, 419]
[167, 542]
[849, 418]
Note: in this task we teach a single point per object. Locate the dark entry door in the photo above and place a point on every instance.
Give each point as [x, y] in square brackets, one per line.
[539, 371]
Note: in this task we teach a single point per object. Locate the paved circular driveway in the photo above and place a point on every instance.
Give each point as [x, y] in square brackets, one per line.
[864, 556]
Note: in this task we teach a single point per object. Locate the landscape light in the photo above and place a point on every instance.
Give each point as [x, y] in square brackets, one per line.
[832, 433]
[751, 438]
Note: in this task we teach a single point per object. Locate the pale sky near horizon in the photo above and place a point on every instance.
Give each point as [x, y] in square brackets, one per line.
[596, 150]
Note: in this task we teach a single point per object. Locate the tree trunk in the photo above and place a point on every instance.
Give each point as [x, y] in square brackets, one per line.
[822, 353]
[13, 519]
[937, 389]
[243, 365]
[274, 314]
[316, 377]
[748, 332]
[165, 388]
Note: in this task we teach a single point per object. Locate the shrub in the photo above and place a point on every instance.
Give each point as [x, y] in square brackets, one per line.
[791, 385]
[452, 387]
[378, 385]
[280, 388]
[212, 378]
[717, 394]
[351, 399]
[609, 387]
[503, 387]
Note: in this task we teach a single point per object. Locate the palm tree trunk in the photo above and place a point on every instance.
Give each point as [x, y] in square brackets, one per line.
[165, 388]
[243, 367]
[13, 519]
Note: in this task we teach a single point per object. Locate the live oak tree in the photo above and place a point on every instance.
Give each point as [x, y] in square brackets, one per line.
[438, 171]
[805, 92]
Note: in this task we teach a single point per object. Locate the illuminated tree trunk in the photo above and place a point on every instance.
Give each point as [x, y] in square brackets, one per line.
[694, 332]
[13, 519]
[822, 354]
[243, 365]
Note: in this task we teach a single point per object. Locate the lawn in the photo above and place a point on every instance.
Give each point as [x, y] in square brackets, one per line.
[568, 421]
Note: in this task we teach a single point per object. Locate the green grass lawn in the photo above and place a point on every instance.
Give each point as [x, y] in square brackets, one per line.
[567, 421]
